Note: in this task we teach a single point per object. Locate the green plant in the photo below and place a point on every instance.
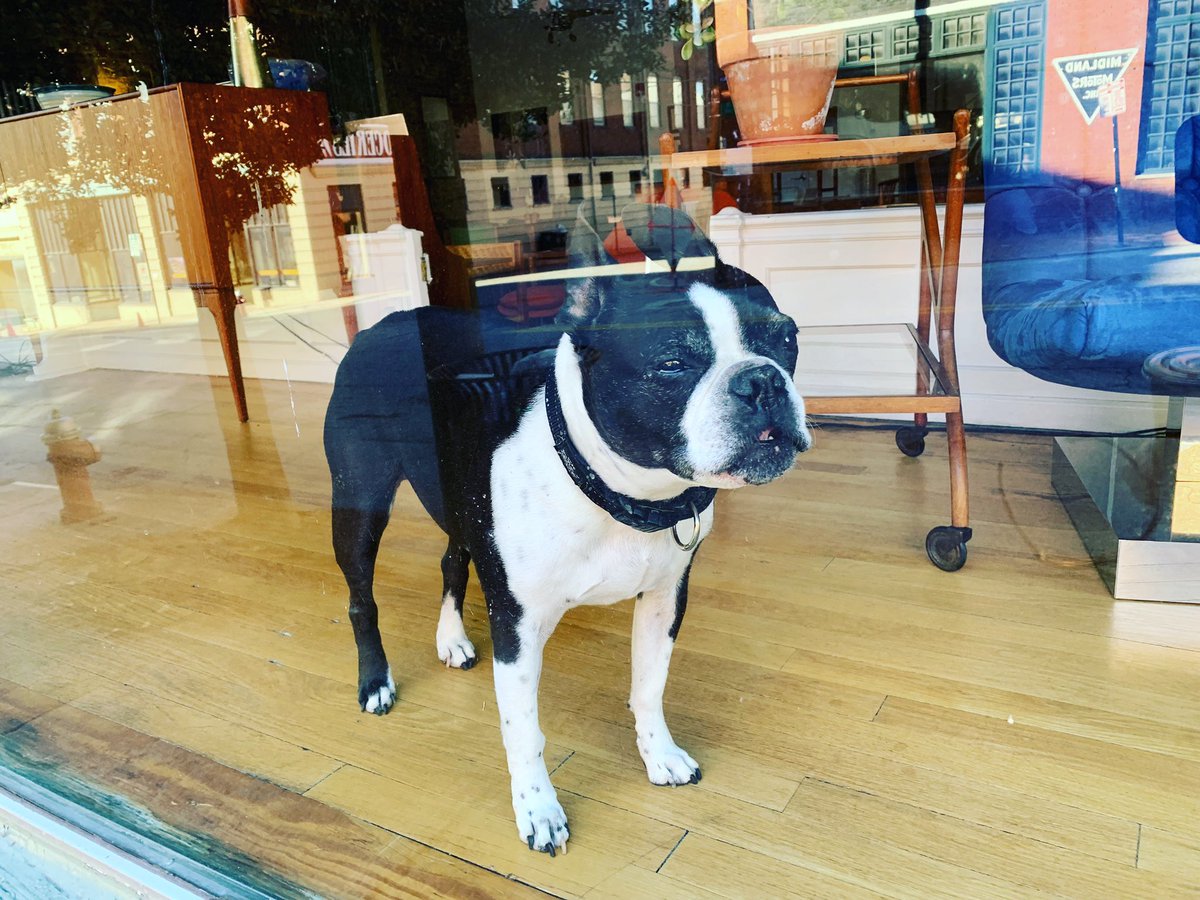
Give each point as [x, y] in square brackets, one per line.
[698, 30]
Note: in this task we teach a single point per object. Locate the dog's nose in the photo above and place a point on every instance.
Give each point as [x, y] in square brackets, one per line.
[758, 386]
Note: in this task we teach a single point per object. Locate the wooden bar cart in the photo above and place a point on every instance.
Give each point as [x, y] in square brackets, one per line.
[931, 337]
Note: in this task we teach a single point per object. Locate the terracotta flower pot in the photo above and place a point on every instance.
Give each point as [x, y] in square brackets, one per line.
[784, 94]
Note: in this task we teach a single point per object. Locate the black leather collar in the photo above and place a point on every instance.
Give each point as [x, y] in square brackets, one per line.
[644, 515]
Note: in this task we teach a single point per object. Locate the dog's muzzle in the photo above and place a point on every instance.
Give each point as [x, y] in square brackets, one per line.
[770, 425]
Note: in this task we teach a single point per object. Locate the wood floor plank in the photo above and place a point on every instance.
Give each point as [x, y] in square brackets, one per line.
[227, 742]
[1170, 854]
[609, 838]
[1136, 731]
[937, 605]
[973, 799]
[50, 673]
[635, 881]
[1146, 787]
[1031, 864]
[873, 865]
[1039, 596]
[735, 872]
[438, 875]
[245, 827]
[1154, 682]
[19, 705]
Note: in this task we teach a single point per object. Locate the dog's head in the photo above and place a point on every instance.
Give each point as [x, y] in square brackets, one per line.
[688, 370]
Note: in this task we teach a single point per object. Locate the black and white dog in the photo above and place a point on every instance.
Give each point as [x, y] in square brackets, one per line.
[596, 487]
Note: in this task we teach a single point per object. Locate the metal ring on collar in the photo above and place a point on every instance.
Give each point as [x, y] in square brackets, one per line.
[695, 538]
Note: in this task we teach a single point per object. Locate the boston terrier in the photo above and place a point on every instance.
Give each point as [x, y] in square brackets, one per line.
[584, 474]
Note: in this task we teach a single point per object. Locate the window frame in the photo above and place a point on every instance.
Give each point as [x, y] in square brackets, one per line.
[1156, 88]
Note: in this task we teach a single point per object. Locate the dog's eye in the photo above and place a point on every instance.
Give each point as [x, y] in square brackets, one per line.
[670, 366]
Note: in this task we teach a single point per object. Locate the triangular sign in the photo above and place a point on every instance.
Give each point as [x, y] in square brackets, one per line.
[1085, 73]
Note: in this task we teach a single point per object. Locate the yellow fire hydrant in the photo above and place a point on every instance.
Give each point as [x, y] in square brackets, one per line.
[70, 454]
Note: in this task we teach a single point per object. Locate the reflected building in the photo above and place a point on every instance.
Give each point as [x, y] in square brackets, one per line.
[113, 254]
[137, 211]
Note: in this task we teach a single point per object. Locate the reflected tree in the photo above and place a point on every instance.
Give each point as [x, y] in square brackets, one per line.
[152, 41]
[484, 54]
[519, 55]
[250, 151]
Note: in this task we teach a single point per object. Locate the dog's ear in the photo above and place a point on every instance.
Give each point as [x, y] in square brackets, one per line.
[585, 299]
[585, 248]
[663, 232]
[585, 295]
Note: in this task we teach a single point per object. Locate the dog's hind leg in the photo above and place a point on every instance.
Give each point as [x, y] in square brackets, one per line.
[454, 648]
[356, 536]
[656, 620]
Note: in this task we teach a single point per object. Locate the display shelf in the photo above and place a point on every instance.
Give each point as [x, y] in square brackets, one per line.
[821, 154]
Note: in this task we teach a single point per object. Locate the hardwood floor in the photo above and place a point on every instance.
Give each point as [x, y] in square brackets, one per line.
[867, 724]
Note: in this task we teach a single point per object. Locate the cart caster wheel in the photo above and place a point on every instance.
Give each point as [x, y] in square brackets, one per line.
[911, 440]
[947, 547]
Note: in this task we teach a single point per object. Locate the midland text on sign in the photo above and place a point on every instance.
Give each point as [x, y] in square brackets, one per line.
[1084, 74]
[365, 144]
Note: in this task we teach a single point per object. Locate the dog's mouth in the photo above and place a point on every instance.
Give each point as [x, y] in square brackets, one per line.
[764, 456]
[776, 439]
[772, 435]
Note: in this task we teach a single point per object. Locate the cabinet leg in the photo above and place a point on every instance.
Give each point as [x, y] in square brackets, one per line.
[222, 305]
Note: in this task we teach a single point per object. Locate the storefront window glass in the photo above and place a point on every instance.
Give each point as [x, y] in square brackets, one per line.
[215, 512]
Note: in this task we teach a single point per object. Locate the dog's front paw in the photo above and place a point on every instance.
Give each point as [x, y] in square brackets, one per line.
[454, 648]
[457, 652]
[541, 821]
[377, 695]
[666, 763]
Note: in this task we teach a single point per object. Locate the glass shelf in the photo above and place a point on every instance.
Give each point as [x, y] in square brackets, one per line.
[820, 155]
[832, 374]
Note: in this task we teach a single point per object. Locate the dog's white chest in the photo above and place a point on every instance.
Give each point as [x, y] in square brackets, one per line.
[559, 547]
[609, 563]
